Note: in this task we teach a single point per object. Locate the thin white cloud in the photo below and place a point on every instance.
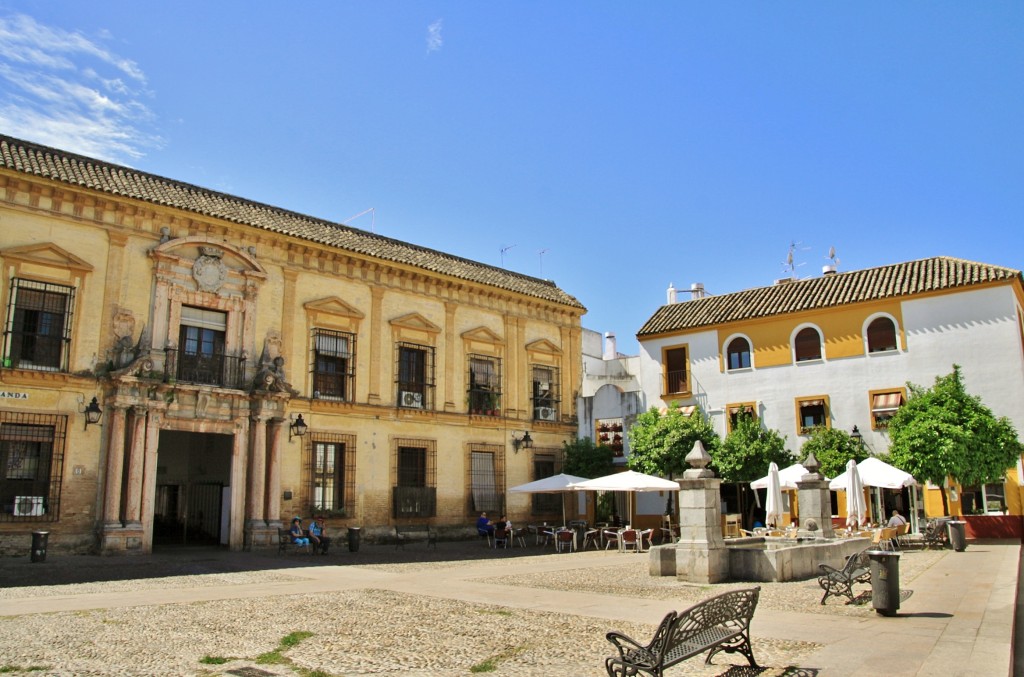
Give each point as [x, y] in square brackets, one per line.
[63, 89]
[434, 39]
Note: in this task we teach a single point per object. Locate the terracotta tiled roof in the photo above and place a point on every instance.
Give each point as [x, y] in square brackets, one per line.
[51, 163]
[900, 279]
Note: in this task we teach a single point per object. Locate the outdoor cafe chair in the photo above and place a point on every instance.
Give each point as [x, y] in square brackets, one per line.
[519, 536]
[669, 533]
[591, 537]
[646, 536]
[565, 540]
[501, 538]
[611, 536]
[629, 538]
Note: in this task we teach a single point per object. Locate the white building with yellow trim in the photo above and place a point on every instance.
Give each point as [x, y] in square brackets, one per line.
[838, 350]
[206, 325]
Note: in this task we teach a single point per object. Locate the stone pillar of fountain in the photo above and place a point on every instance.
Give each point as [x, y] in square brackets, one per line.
[700, 554]
[815, 500]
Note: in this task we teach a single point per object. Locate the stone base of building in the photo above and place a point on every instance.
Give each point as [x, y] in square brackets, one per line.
[260, 535]
[123, 540]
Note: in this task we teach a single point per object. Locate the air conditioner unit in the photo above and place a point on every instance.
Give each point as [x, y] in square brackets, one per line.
[544, 413]
[412, 400]
[28, 506]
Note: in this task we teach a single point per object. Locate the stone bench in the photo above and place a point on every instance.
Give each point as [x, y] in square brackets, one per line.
[414, 532]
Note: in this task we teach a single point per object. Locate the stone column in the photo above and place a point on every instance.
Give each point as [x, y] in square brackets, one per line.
[239, 481]
[273, 499]
[815, 500]
[149, 478]
[136, 463]
[114, 472]
[257, 471]
[700, 555]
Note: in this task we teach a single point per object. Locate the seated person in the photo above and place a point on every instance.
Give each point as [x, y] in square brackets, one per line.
[484, 526]
[298, 536]
[897, 519]
[318, 537]
[504, 523]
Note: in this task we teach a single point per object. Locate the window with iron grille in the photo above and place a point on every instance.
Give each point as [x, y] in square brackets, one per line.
[484, 394]
[32, 463]
[333, 365]
[545, 465]
[545, 393]
[486, 478]
[415, 491]
[331, 468]
[415, 369]
[37, 334]
[201, 344]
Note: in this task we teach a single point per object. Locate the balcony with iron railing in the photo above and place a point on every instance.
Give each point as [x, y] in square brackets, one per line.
[675, 382]
[215, 369]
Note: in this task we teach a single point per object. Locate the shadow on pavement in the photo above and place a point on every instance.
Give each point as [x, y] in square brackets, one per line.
[190, 561]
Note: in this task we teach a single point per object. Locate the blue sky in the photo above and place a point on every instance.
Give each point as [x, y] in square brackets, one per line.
[634, 144]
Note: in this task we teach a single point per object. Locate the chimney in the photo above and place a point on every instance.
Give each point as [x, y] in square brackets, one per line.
[828, 269]
[610, 351]
[670, 294]
[697, 290]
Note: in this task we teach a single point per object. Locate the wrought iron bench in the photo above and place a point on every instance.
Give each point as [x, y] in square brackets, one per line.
[286, 544]
[721, 623]
[840, 581]
[936, 533]
[414, 532]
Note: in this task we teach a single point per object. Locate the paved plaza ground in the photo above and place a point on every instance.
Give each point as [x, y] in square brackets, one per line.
[464, 608]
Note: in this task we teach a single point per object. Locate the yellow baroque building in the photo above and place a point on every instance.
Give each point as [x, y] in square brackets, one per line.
[182, 366]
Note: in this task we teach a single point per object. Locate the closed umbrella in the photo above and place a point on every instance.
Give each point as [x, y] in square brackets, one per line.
[856, 509]
[556, 484]
[773, 506]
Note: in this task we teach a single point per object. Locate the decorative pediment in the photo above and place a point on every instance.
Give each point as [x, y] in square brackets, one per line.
[332, 305]
[47, 254]
[482, 335]
[543, 347]
[415, 322]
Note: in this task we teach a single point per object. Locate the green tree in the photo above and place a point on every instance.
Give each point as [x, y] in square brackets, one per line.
[944, 432]
[583, 458]
[659, 443]
[833, 448]
[744, 454]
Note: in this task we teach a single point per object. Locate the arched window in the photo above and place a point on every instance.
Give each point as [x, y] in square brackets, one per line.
[807, 345]
[881, 335]
[738, 354]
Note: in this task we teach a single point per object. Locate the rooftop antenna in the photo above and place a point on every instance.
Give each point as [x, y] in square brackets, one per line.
[832, 255]
[370, 211]
[790, 266]
[540, 255]
[503, 250]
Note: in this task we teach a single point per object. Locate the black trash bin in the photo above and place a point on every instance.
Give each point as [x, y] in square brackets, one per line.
[39, 539]
[885, 581]
[353, 539]
[957, 534]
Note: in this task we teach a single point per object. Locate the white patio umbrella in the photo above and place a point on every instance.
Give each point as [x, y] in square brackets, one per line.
[788, 477]
[856, 509]
[631, 481]
[773, 506]
[874, 472]
[556, 484]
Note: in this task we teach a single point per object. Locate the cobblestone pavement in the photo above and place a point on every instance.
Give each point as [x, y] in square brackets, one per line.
[367, 631]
